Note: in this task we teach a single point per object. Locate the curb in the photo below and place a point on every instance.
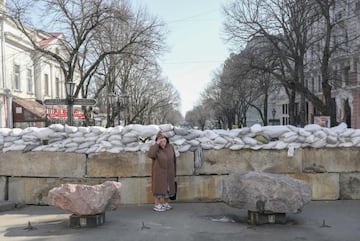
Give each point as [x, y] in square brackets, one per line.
[7, 206]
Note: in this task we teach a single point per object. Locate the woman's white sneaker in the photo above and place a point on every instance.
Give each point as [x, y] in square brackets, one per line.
[159, 208]
[167, 206]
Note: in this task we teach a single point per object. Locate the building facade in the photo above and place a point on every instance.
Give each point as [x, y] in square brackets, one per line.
[344, 65]
[344, 71]
[27, 77]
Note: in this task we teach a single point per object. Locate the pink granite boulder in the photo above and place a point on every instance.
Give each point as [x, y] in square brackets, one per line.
[85, 199]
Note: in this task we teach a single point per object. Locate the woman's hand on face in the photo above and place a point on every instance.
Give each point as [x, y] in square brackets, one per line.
[161, 142]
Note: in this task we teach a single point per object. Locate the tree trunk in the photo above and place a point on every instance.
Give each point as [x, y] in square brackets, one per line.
[302, 111]
[291, 107]
[266, 108]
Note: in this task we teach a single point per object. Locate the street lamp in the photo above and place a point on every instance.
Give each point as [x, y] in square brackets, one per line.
[69, 88]
[112, 99]
[273, 112]
[115, 98]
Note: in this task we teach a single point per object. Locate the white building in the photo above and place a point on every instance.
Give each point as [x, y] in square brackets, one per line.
[26, 76]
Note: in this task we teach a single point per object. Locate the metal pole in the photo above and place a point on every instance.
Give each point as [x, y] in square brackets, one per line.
[118, 109]
[3, 59]
[70, 111]
[9, 108]
[70, 101]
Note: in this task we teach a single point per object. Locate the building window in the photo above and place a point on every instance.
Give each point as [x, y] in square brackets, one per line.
[29, 80]
[346, 76]
[57, 86]
[17, 77]
[338, 16]
[46, 84]
[312, 85]
[285, 109]
[347, 42]
[335, 78]
[335, 39]
[285, 120]
[307, 112]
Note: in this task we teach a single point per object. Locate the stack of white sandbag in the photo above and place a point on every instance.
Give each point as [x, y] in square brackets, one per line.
[134, 137]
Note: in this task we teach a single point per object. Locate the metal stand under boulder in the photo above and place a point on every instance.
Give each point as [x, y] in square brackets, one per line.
[83, 221]
[257, 218]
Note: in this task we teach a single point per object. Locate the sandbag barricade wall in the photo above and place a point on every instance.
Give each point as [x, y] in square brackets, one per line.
[334, 173]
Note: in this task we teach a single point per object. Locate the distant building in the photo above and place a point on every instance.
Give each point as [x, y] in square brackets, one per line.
[344, 66]
[344, 72]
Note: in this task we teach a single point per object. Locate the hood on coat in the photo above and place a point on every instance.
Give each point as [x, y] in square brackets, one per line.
[161, 134]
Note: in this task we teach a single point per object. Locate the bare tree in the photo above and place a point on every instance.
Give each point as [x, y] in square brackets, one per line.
[211, 102]
[198, 116]
[99, 36]
[174, 117]
[240, 88]
[285, 24]
[335, 38]
[208, 113]
[297, 29]
[152, 97]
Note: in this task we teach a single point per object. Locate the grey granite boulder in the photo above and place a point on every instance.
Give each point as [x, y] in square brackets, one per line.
[265, 192]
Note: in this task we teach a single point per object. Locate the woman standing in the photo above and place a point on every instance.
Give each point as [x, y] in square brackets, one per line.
[163, 172]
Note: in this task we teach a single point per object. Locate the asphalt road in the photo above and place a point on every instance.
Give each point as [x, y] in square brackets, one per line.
[320, 221]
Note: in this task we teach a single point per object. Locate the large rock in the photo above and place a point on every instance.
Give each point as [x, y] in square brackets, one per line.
[86, 199]
[265, 192]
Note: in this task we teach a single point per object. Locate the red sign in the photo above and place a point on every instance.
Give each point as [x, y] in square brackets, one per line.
[323, 121]
[62, 113]
[78, 114]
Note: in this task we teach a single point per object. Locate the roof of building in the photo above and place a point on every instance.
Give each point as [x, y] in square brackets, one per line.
[32, 106]
[51, 38]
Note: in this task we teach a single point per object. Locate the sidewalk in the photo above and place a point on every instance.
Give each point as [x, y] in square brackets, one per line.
[187, 221]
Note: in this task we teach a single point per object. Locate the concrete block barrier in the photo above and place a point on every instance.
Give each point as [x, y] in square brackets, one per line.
[42, 164]
[325, 186]
[334, 173]
[226, 161]
[336, 160]
[350, 186]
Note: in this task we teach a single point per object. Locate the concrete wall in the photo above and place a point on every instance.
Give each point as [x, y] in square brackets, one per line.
[333, 173]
